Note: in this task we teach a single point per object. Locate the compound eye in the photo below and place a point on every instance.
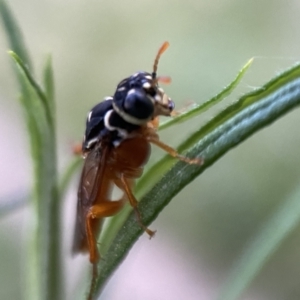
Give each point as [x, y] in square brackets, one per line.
[171, 105]
[138, 105]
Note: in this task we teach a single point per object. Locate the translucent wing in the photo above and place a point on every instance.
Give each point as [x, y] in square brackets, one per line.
[90, 183]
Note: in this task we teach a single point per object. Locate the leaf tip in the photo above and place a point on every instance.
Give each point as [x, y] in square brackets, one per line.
[249, 62]
[13, 55]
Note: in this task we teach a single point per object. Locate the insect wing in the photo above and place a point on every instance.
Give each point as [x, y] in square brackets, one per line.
[91, 175]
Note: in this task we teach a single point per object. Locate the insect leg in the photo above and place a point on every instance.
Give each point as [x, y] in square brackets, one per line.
[154, 140]
[99, 211]
[126, 186]
[153, 123]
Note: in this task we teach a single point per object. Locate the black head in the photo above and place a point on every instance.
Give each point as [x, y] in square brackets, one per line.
[138, 98]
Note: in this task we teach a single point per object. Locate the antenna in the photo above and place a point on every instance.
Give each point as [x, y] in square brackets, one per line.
[161, 50]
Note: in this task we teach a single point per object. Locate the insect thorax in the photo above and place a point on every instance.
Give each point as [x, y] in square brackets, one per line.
[137, 100]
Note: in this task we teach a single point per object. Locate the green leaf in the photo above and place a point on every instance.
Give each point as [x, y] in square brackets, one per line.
[49, 84]
[38, 90]
[198, 109]
[13, 33]
[228, 129]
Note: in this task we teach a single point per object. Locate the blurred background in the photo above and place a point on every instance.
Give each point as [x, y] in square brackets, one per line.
[206, 228]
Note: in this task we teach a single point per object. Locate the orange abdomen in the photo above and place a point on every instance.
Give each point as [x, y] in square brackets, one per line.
[131, 155]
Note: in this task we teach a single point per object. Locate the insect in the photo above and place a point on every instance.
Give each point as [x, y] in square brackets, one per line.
[116, 146]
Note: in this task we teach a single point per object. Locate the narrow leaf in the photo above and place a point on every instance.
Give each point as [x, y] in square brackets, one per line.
[49, 84]
[197, 109]
[13, 33]
[36, 87]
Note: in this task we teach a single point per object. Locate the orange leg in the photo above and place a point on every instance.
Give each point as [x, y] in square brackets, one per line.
[99, 211]
[154, 140]
[152, 137]
[126, 186]
[153, 124]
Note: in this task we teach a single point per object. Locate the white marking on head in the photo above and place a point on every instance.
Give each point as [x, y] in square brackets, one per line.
[132, 91]
[122, 88]
[135, 74]
[148, 77]
[146, 85]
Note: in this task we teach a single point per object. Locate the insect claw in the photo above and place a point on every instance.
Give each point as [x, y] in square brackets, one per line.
[196, 161]
[191, 161]
[150, 233]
